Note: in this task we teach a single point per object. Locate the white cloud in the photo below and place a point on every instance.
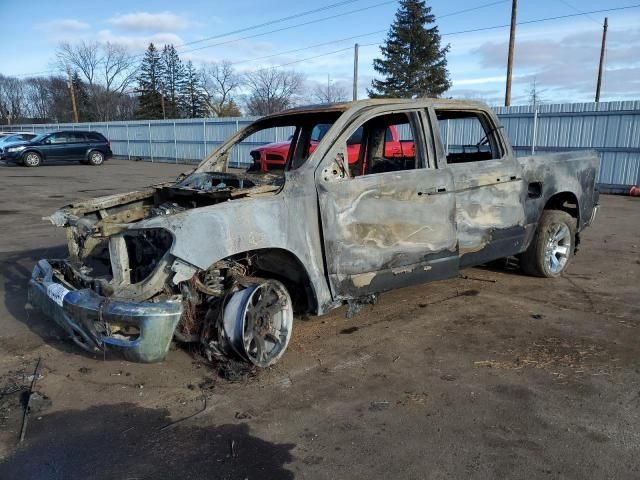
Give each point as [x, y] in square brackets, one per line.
[150, 22]
[478, 81]
[66, 24]
[139, 43]
[568, 65]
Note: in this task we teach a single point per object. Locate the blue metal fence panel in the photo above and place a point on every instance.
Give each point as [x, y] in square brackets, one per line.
[612, 128]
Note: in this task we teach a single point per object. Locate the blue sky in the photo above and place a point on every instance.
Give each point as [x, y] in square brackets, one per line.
[561, 55]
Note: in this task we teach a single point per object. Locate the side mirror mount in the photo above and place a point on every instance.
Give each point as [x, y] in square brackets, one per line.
[336, 170]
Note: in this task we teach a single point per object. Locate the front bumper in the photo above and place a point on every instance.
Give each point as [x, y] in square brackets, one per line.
[89, 318]
[15, 157]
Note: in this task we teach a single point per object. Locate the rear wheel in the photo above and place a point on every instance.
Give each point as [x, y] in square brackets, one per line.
[32, 159]
[552, 246]
[96, 158]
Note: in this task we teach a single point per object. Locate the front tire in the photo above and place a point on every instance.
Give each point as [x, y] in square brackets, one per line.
[96, 158]
[32, 159]
[257, 322]
[551, 249]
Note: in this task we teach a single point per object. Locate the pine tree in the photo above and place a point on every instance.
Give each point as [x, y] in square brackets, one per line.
[413, 64]
[83, 102]
[173, 79]
[192, 96]
[149, 101]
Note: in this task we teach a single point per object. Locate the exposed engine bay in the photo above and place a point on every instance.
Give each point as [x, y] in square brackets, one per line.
[114, 254]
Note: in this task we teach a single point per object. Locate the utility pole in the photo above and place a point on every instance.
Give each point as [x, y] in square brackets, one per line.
[355, 72]
[72, 91]
[512, 41]
[602, 50]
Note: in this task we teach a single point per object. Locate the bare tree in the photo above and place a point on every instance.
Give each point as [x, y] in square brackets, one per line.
[12, 99]
[330, 92]
[84, 57]
[107, 69]
[219, 82]
[38, 97]
[119, 68]
[272, 90]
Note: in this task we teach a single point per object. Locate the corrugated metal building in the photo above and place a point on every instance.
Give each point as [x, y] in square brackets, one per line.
[611, 128]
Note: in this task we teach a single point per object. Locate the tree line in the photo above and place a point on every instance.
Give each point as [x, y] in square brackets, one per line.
[109, 83]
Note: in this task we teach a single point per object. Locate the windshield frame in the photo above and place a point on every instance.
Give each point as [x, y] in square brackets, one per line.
[218, 160]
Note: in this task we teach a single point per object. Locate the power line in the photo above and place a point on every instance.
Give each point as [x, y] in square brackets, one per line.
[308, 47]
[472, 9]
[466, 10]
[578, 10]
[288, 27]
[527, 22]
[271, 22]
[481, 29]
[538, 20]
[258, 34]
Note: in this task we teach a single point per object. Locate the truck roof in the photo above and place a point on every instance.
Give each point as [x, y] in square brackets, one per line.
[373, 102]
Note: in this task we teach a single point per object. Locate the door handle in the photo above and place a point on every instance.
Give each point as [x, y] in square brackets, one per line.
[431, 191]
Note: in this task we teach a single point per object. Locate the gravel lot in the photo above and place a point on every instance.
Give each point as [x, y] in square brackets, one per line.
[493, 375]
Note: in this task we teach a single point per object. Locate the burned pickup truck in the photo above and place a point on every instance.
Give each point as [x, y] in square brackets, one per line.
[227, 259]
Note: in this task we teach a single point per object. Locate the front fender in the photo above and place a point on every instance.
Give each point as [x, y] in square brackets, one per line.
[287, 220]
[205, 235]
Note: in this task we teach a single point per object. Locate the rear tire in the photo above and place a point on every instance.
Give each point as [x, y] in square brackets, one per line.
[551, 249]
[96, 158]
[32, 159]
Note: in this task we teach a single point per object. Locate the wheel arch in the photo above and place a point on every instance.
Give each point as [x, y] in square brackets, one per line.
[33, 150]
[566, 201]
[93, 149]
[283, 265]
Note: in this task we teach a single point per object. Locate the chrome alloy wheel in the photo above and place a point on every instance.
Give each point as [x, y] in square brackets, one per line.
[32, 159]
[558, 247]
[96, 158]
[258, 322]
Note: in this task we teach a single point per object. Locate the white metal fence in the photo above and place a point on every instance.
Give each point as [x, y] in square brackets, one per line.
[611, 128]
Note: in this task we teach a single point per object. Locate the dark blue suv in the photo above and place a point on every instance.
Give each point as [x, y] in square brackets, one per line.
[90, 148]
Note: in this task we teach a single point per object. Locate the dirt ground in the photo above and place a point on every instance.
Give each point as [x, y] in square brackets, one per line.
[492, 375]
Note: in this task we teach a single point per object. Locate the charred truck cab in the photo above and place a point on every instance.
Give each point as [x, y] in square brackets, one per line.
[226, 259]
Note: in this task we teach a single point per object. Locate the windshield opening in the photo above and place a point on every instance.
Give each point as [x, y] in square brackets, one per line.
[277, 144]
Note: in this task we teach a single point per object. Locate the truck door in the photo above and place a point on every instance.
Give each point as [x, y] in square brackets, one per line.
[489, 188]
[387, 221]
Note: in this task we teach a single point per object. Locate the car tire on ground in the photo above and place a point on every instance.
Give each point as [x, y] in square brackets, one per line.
[31, 159]
[552, 247]
[96, 158]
